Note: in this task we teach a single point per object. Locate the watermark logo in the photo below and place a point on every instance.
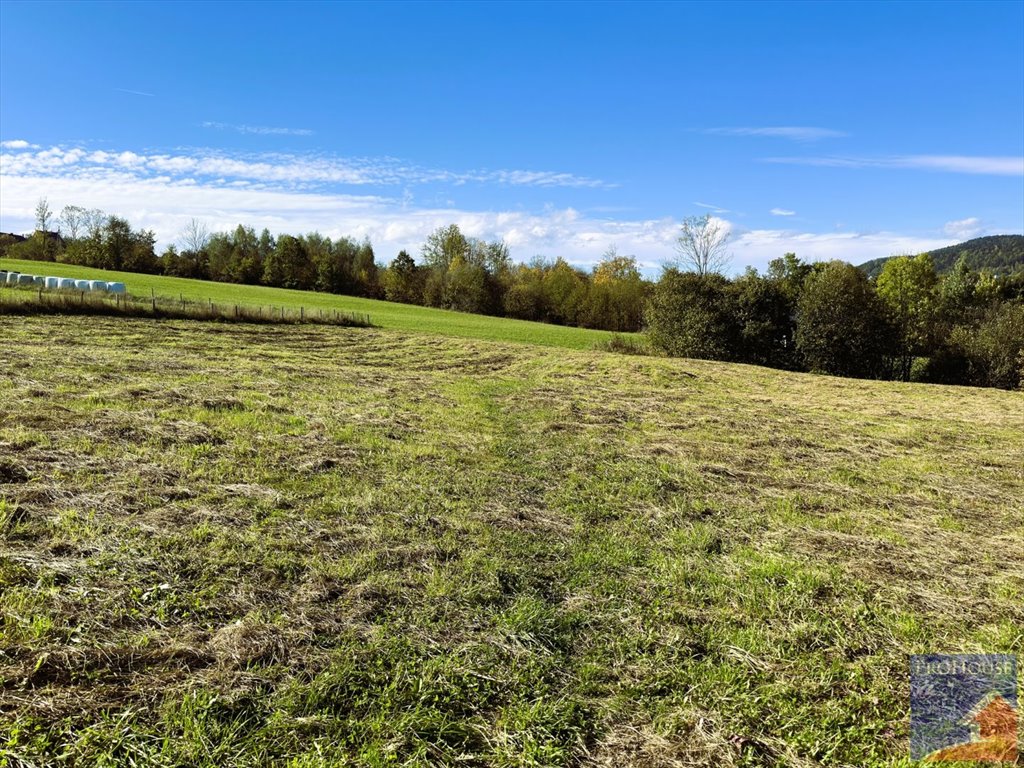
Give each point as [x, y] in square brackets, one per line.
[963, 707]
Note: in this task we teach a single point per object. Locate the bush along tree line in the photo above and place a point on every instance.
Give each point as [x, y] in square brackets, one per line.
[909, 323]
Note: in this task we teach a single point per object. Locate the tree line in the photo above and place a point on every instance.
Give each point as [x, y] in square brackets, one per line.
[454, 271]
[910, 322]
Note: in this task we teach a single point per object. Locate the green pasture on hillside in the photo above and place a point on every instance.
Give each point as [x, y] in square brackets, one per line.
[385, 314]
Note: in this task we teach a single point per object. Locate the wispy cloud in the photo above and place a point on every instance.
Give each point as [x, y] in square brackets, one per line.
[296, 171]
[964, 229]
[166, 207]
[135, 93]
[163, 192]
[981, 165]
[759, 246]
[712, 208]
[781, 212]
[802, 133]
[18, 144]
[260, 130]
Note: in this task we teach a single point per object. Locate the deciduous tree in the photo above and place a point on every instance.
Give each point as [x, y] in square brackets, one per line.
[702, 245]
[841, 324]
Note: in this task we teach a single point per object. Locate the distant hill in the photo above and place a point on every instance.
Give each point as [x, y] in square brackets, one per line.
[996, 253]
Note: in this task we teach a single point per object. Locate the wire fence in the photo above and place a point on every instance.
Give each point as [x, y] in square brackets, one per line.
[17, 300]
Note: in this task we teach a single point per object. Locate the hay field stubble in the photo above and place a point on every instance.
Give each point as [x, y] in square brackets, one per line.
[238, 545]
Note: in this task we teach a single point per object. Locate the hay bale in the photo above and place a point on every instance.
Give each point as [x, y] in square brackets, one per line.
[98, 285]
[66, 283]
[81, 285]
[26, 279]
[116, 287]
[39, 280]
[52, 283]
[12, 278]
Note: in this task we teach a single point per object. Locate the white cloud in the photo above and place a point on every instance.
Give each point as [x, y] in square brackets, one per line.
[18, 144]
[781, 212]
[166, 206]
[163, 192]
[802, 133]
[964, 229]
[713, 208]
[992, 166]
[996, 166]
[261, 130]
[757, 247]
[301, 171]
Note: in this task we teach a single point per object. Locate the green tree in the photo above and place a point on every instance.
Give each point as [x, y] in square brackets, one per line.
[841, 324]
[246, 264]
[288, 265]
[466, 287]
[524, 295]
[692, 315]
[443, 246]
[403, 280]
[789, 273]
[616, 298]
[907, 287]
[566, 290]
[956, 293]
[765, 312]
[364, 270]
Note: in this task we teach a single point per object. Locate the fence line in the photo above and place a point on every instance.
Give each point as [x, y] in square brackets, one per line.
[35, 298]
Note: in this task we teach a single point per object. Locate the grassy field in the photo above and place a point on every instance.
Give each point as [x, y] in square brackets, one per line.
[229, 545]
[385, 314]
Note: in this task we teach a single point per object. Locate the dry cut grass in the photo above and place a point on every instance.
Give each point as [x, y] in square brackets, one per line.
[252, 545]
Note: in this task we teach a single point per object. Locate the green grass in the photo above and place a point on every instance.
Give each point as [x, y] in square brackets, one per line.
[304, 546]
[385, 314]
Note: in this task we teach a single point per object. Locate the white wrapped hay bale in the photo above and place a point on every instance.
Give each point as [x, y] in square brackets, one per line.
[26, 279]
[98, 285]
[12, 278]
[38, 280]
[116, 287]
[66, 283]
[82, 285]
[52, 283]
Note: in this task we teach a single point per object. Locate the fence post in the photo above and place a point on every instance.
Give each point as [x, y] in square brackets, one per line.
[302, 314]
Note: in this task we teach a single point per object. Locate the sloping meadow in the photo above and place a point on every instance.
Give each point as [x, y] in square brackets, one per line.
[249, 545]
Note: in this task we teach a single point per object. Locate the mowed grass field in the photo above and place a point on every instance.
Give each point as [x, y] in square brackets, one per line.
[229, 545]
[385, 314]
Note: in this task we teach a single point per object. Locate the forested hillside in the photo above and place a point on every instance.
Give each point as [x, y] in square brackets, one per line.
[995, 253]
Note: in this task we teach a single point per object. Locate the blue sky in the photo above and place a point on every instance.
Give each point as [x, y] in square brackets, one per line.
[835, 130]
